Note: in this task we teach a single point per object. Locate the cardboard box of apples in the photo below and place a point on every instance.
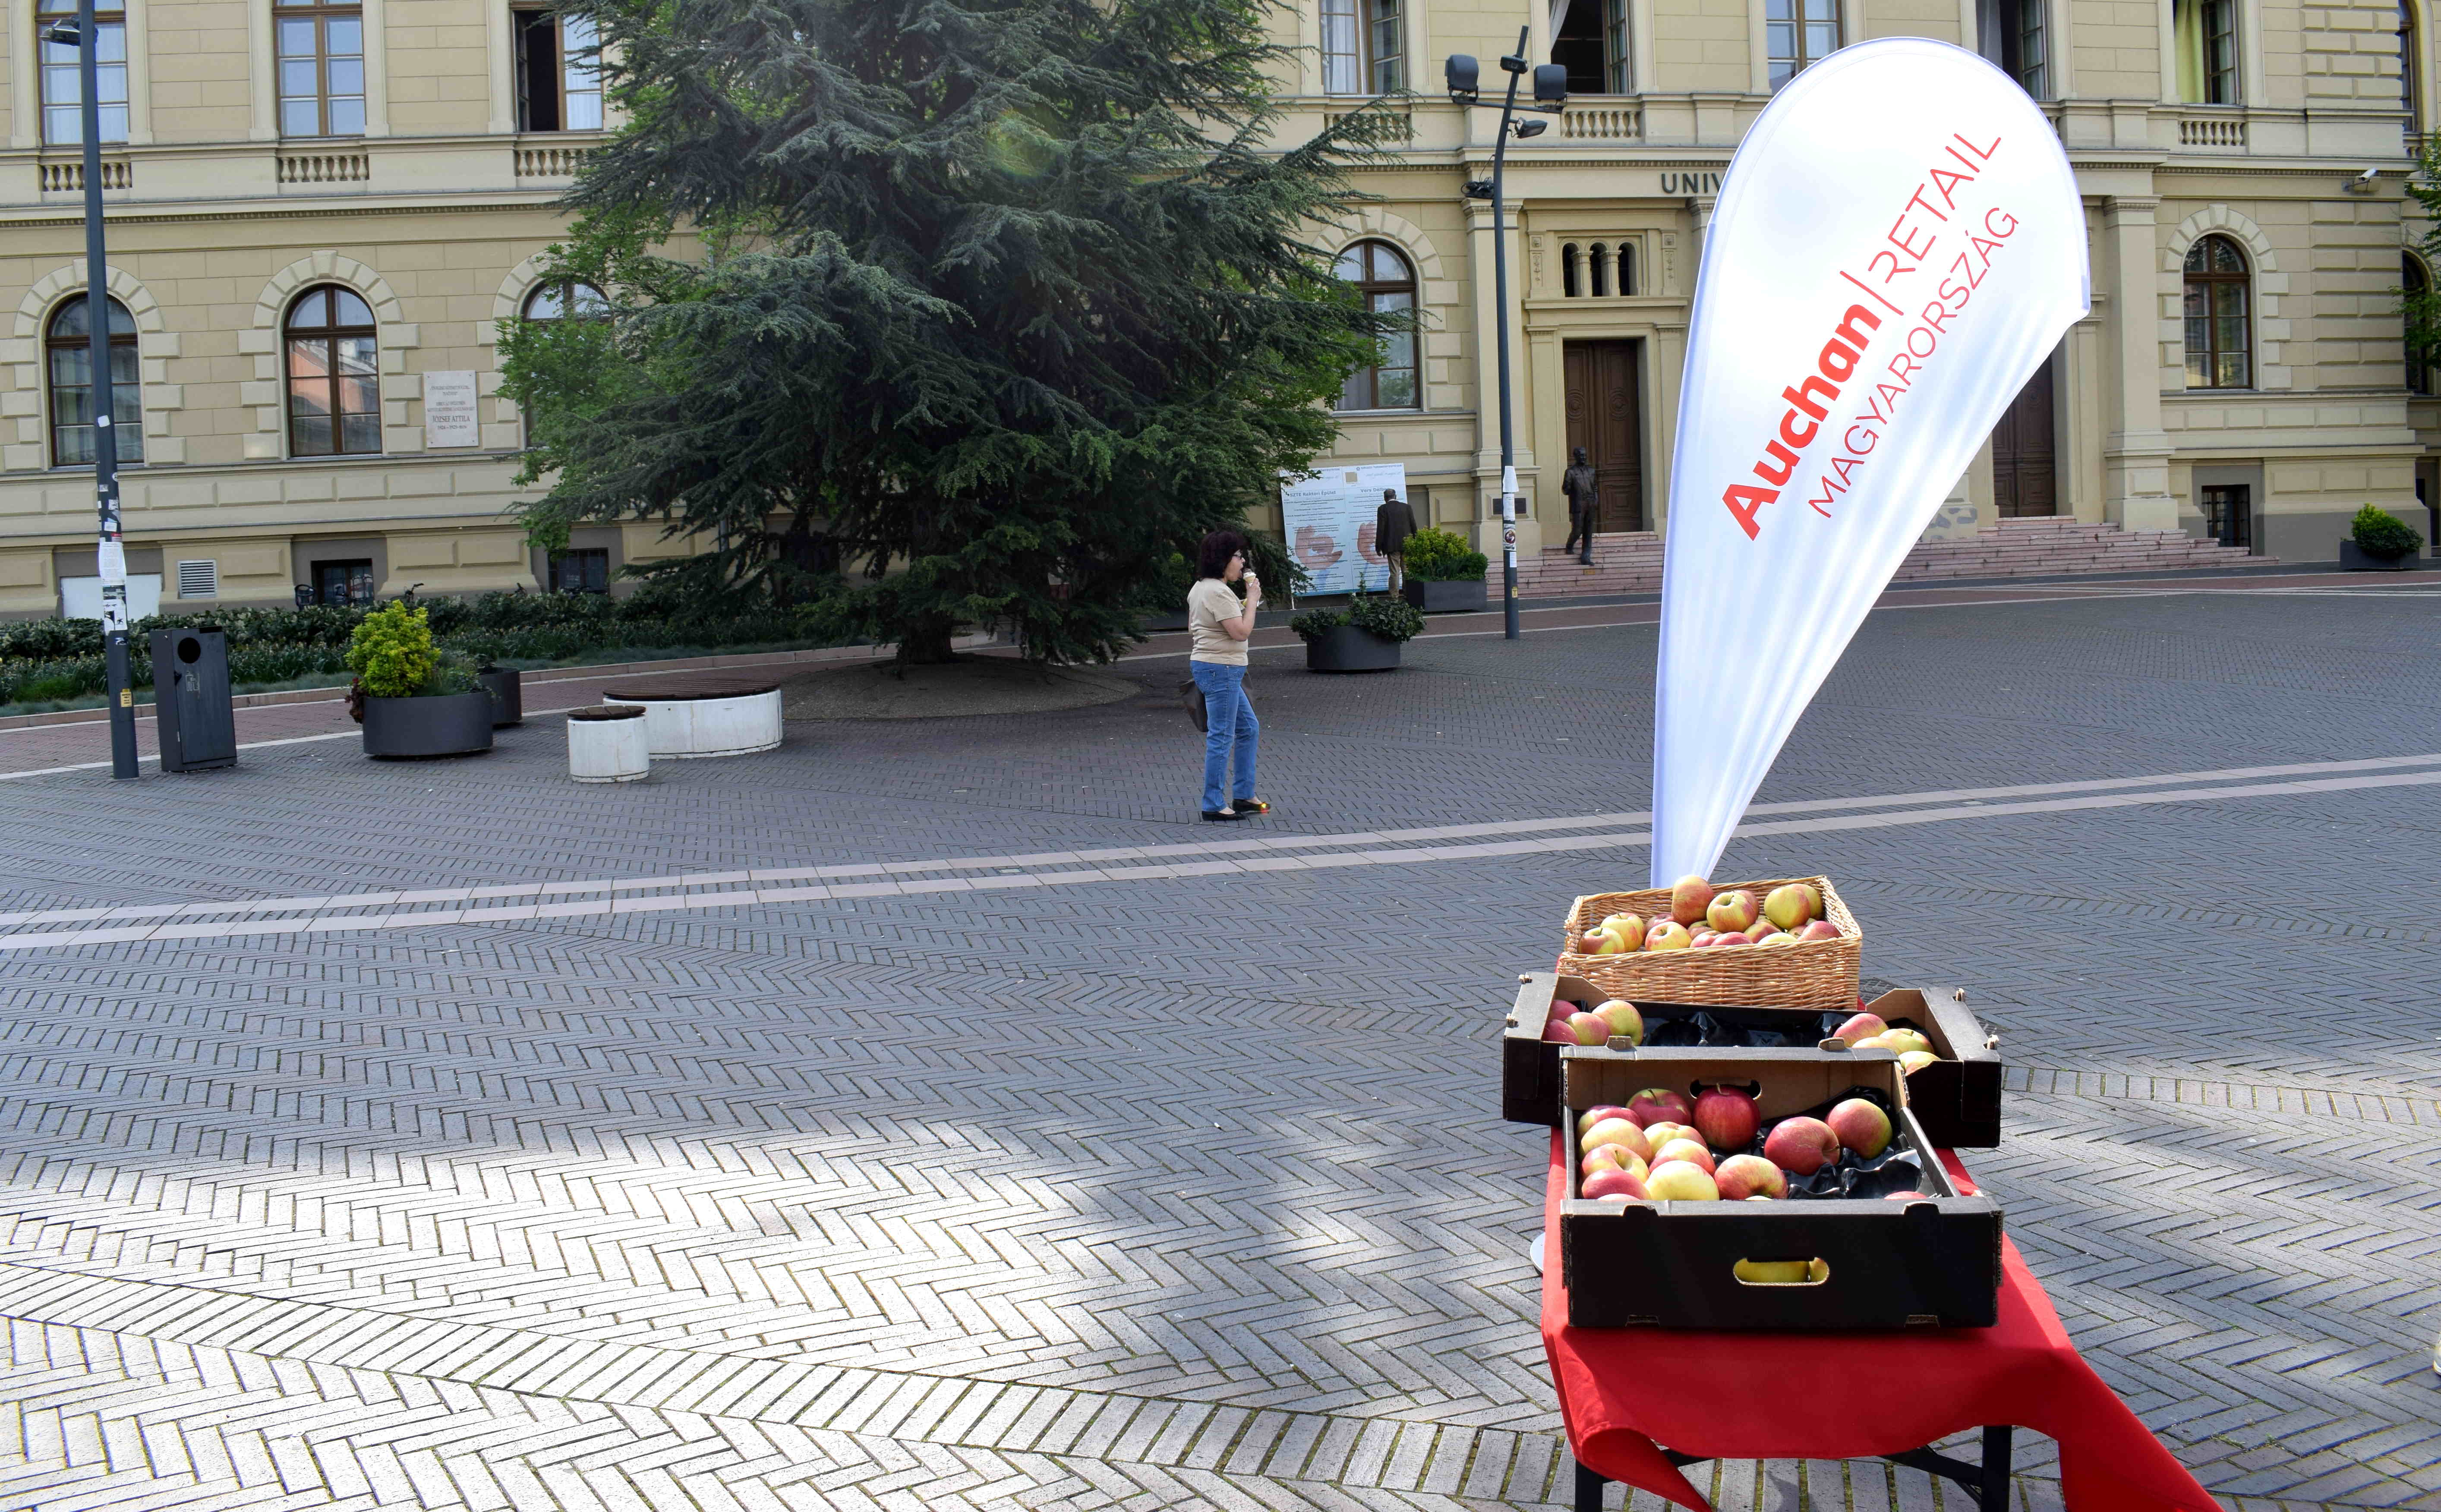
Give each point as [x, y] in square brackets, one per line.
[1762, 1189]
[1787, 941]
[1953, 1077]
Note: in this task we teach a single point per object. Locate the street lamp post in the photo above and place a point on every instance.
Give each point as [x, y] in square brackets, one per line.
[111, 554]
[1550, 96]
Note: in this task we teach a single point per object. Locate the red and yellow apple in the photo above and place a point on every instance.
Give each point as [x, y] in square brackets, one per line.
[1861, 1126]
[1860, 1028]
[1800, 1146]
[1819, 929]
[1597, 1113]
[1732, 911]
[1727, 1118]
[1791, 904]
[1681, 1181]
[1912, 1061]
[1656, 1103]
[1619, 1131]
[1624, 1021]
[1689, 898]
[1745, 1176]
[1590, 1028]
[1668, 936]
[1691, 1151]
[1614, 1185]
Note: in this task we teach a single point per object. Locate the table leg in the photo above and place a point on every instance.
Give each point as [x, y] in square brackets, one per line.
[1589, 1490]
[1993, 1496]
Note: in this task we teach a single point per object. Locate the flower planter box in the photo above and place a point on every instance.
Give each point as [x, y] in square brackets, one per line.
[1461, 597]
[1932, 1261]
[1957, 1099]
[2354, 558]
[450, 725]
[1345, 648]
[507, 693]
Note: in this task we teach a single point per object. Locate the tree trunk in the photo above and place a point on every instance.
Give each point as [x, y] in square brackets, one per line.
[926, 643]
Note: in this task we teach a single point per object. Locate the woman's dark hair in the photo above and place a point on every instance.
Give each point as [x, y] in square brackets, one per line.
[1212, 561]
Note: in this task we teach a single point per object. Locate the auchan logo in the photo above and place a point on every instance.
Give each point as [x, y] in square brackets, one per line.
[1807, 408]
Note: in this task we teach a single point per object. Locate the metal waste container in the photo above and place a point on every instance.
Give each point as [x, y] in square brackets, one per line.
[193, 721]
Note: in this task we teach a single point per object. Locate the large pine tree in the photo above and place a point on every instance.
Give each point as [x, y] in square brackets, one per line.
[999, 305]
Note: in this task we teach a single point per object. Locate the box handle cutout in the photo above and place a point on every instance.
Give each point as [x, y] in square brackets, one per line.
[1782, 1272]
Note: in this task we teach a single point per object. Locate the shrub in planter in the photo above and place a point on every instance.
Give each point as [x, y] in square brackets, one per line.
[1443, 556]
[413, 700]
[1364, 636]
[2378, 535]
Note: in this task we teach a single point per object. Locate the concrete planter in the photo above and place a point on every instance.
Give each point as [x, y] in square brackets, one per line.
[1468, 595]
[609, 743]
[507, 693]
[2353, 558]
[1345, 648]
[410, 729]
[683, 722]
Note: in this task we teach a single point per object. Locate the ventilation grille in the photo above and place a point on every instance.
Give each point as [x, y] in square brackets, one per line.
[199, 580]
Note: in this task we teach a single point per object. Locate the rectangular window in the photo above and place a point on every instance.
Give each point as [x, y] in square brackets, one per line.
[1590, 42]
[72, 417]
[559, 87]
[321, 69]
[63, 89]
[343, 583]
[584, 570]
[2205, 46]
[1614, 43]
[1799, 32]
[1364, 47]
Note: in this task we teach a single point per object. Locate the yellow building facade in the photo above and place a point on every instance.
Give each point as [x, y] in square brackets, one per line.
[320, 213]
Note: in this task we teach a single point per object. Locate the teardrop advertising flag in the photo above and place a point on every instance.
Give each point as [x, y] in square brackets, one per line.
[1897, 246]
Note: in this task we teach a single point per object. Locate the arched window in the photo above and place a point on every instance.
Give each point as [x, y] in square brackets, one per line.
[1387, 283]
[2220, 341]
[1570, 285]
[69, 340]
[1602, 270]
[1626, 268]
[561, 299]
[2416, 284]
[334, 376]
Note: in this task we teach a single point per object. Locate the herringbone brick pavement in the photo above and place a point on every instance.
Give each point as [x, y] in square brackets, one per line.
[1186, 1193]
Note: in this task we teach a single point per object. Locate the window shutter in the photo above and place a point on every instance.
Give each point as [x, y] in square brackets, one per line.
[199, 580]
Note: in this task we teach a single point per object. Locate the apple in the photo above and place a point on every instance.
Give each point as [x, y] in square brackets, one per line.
[1745, 1175]
[1612, 1158]
[1631, 925]
[1557, 1033]
[1732, 911]
[1912, 1061]
[1616, 1185]
[1733, 938]
[1904, 1041]
[1667, 936]
[1691, 1151]
[1863, 1026]
[1621, 1132]
[1597, 1113]
[1611, 943]
[1689, 898]
[1788, 906]
[1624, 1021]
[1681, 1181]
[1800, 1146]
[1591, 1029]
[1761, 933]
[1655, 1104]
[1861, 1126]
[1590, 943]
[1727, 1118]
[1774, 1272]
[1663, 1132]
[1905, 1197]
[1703, 939]
[1819, 929]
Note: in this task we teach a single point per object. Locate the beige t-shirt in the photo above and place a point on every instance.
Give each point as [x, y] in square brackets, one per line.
[1207, 604]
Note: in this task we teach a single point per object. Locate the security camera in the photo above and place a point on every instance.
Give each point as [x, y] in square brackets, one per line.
[2368, 175]
[2364, 183]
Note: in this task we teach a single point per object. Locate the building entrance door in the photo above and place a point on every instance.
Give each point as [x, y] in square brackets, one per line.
[2025, 474]
[1605, 417]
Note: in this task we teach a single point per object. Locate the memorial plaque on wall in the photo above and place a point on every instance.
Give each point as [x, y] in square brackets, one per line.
[449, 418]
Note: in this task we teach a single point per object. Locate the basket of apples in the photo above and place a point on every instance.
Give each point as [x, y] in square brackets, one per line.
[1753, 1189]
[1788, 942]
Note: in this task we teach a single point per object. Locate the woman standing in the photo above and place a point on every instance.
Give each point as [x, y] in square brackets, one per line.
[1219, 626]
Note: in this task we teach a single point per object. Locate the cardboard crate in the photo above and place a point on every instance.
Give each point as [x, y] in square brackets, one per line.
[1957, 1101]
[1878, 1263]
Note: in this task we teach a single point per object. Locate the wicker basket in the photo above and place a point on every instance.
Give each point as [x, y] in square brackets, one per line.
[1810, 974]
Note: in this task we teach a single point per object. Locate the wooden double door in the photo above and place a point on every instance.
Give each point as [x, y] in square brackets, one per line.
[1605, 417]
[2025, 468]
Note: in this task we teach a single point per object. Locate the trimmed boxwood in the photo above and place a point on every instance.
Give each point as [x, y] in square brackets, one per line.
[2380, 535]
[1392, 620]
[1443, 556]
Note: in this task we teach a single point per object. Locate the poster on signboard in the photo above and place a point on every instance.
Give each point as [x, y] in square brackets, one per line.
[1329, 521]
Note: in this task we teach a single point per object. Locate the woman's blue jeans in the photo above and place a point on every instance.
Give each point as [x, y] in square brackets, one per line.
[1231, 723]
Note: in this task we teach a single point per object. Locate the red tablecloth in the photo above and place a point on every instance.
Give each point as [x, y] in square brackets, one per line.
[1846, 1396]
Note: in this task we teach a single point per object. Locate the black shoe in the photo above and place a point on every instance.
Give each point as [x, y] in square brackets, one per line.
[1222, 815]
[1248, 807]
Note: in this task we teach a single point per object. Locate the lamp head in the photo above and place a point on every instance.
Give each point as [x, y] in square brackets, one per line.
[1464, 77]
[1551, 84]
[1514, 63]
[1531, 128]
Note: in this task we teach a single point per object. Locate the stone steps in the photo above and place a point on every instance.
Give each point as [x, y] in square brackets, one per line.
[1630, 562]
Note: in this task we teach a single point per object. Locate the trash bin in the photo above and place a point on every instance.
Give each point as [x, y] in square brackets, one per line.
[193, 721]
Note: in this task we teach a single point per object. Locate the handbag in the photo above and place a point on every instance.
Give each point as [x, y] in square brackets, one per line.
[1192, 696]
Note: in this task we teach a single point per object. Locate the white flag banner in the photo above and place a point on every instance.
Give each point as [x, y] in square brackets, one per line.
[1898, 245]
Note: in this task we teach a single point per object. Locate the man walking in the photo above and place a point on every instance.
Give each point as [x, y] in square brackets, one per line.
[1392, 524]
[1584, 494]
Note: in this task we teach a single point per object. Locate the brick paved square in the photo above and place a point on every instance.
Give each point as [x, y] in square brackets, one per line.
[1122, 1181]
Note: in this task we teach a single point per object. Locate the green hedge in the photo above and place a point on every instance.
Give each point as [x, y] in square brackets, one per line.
[2380, 535]
[42, 660]
[1443, 556]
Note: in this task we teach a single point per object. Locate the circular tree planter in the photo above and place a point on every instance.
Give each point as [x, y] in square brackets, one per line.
[1460, 597]
[1345, 648]
[507, 691]
[448, 725]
